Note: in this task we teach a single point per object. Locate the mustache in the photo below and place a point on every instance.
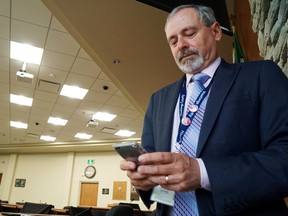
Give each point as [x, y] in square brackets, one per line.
[186, 52]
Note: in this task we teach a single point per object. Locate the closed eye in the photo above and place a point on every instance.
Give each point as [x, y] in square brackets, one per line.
[173, 41]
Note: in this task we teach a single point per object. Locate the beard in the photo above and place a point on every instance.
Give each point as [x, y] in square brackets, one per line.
[190, 64]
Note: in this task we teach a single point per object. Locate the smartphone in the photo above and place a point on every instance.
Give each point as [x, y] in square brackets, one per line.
[129, 151]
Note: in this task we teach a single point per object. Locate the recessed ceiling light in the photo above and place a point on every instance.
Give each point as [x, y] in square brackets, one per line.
[18, 125]
[21, 100]
[103, 116]
[57, 121]
[125, 133]
[25, 52]
[83, 136]
[73, 92]
[47, 138]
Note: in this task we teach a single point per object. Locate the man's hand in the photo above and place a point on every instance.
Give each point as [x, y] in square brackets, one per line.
[173, 171]
[138, 180]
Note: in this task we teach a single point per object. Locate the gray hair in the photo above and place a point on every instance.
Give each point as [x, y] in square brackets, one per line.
[205, 14]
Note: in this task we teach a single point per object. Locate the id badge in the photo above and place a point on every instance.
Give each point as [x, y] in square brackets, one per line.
[162, 195]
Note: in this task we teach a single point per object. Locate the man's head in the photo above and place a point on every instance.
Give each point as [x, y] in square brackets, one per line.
[192, 33]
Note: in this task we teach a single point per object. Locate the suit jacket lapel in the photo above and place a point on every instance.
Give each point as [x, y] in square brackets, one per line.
[222, 82]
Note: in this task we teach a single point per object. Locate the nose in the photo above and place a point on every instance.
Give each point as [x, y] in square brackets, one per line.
[182, 44]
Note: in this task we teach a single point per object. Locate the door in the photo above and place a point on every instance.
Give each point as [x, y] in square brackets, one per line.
[89, 194]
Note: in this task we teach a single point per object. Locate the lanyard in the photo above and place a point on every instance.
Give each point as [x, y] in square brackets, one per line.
[191, 113]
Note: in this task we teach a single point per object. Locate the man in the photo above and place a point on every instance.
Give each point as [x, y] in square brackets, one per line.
[240, 166]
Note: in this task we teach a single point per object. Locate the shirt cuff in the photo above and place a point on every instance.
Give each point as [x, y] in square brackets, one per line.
[205, 183]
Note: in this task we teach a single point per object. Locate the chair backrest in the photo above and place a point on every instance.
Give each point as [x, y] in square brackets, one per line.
[99, 212]
[153, 213]
[121, 210]
[36, 208]
[79, 211]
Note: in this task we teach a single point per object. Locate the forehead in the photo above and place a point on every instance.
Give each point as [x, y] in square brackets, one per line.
[183, 19]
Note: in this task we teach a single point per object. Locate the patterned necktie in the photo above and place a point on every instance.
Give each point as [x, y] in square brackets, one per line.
[185, 202]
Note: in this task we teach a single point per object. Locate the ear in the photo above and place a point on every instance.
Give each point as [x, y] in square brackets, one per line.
[217, 31]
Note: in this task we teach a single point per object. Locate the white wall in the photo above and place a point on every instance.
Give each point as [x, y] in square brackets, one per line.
[56, 178]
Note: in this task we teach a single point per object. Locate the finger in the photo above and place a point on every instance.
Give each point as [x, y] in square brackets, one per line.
[156, 157]
[164, 163]
[127, 165]
[143, 184]
[155, 170]
[162, 180]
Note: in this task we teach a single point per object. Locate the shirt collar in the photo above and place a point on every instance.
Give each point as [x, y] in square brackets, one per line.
[210, 70]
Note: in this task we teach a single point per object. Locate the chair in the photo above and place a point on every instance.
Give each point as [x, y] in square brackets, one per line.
[99, 212]
[153, 213]
[36, 208]
[79, 211]
[120, 210]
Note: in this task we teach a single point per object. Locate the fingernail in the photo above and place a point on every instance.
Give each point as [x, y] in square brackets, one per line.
[141, 158]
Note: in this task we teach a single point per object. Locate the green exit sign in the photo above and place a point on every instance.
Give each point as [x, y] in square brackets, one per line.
[90, 161]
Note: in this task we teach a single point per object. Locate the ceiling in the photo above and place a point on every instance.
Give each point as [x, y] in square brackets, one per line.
[81, 41]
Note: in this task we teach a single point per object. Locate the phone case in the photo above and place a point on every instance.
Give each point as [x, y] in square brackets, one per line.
[129, 151]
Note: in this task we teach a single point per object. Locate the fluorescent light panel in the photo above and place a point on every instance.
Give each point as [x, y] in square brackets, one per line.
[125, 133]
[83, 136]
[73, 92]
[103, 116]
[57, 121]
[47, 138]
[26, 52]
[18, 125]
[21, 100]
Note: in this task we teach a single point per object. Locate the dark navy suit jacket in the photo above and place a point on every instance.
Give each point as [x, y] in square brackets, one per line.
[243, 140]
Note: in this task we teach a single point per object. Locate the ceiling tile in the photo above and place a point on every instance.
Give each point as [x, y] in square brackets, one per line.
[5, 27]
[43, 104]
[111, 109]
[52, 74]
[45, 96]
[57, 60]
[61, 42]
[37, 123]
[19, 90]
[56, 25]
[130, 113]
[4, 63]
[62, 111]
[4, 48]
[71, 102]
[103, 76]
[20, 114]
[90, 106]
[118, 101]
[79, 80]
[83, 54]
[4, 111]
[86, 67]
[100, 85]
[97, 97]
[27, 33]
[35, 110]
[32, 11]
[5, 8]
[4, 77]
